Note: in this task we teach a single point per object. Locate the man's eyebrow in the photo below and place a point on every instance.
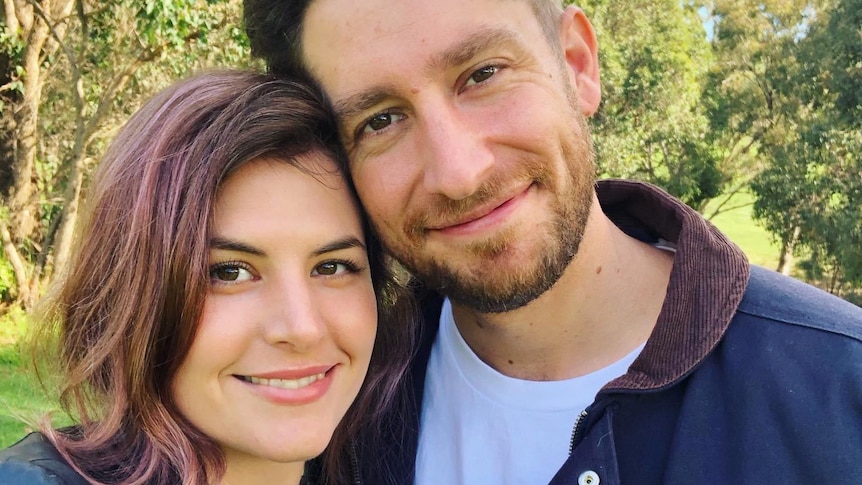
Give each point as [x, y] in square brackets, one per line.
[357, 103]
[343, 243]
[465, 50]
[231, 245]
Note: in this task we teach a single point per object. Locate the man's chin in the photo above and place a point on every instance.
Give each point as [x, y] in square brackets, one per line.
[502, 302]
[499, 286]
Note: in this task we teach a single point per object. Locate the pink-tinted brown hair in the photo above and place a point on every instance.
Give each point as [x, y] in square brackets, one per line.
[127, 310]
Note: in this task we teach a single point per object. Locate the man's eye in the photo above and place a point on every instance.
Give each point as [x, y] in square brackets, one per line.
[482, 74]
[381, 121]
[230, 272]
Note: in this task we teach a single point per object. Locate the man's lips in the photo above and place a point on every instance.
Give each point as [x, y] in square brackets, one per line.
[485, 214]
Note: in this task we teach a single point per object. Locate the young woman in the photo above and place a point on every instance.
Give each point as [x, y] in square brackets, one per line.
[227, 303]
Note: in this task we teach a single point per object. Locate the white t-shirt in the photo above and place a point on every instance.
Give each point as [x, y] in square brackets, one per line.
[479, 426]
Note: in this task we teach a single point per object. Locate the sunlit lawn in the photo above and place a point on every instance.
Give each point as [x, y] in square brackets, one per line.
[22, 400]
[754, 240]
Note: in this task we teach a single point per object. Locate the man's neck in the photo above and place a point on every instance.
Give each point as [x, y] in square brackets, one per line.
[603, 307]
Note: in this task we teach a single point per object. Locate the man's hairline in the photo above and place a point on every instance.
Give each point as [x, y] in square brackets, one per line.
[548, 32]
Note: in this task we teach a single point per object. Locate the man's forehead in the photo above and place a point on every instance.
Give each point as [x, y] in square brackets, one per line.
[455, 54]
[339, 35]
[366, 11]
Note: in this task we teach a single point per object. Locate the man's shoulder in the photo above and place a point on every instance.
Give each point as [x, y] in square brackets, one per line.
[771, 296]
[34, 460]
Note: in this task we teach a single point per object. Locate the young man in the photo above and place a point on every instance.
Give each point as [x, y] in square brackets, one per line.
[590, 332]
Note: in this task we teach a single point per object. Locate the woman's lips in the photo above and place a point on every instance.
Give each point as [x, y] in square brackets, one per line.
[285, 383]
[291, 387]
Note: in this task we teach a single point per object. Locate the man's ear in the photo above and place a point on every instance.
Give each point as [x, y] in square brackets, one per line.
[581, 52]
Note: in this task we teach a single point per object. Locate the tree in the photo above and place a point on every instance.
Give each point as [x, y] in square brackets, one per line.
[754, 111]
[654, 57]
[812, 192]
[33, 32]
[69, 92]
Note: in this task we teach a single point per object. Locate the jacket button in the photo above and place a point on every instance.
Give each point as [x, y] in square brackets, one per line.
[589, 477]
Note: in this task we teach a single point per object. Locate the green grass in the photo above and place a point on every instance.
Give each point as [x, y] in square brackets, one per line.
[22, 400]
[738, 225]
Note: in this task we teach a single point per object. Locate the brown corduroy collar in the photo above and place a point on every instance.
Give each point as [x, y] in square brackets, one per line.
[707, 282]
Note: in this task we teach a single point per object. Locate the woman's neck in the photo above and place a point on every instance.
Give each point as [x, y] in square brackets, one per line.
[254, 471]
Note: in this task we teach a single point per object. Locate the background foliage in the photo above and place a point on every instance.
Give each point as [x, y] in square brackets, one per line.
[71, 72]
[735, 100]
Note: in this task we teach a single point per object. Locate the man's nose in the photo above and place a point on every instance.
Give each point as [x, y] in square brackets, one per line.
[457, 158]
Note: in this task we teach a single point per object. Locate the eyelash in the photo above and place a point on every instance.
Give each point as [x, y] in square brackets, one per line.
[351, 267]
[360, 132]
[229, 264]
[496, 67]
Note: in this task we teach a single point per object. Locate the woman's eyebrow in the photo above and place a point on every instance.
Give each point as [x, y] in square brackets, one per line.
[231, 245]
[337, 245]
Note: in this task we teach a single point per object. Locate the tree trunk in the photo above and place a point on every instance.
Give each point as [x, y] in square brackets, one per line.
[42, 26]
[22, 292]
[69, 217]
[785, 259]
[22, 211]
[83, 135]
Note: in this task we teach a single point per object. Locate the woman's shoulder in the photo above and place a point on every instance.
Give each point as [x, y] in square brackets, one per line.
[34, 461]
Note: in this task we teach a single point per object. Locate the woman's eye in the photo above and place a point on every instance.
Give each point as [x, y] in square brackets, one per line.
[230, 273]
[381, 121]
[333, 268]
[482, 74]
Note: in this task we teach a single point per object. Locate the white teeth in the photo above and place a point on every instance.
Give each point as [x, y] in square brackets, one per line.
[286, 383]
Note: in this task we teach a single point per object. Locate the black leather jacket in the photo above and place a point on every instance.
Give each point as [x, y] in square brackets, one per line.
[34, 461]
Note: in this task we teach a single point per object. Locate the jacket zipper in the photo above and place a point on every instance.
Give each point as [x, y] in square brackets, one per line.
[577, 431]
[354, 464]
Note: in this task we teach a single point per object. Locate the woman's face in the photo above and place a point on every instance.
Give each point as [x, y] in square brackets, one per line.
[290, 318]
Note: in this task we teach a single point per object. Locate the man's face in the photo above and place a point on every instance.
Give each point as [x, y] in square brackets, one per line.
[466, 141]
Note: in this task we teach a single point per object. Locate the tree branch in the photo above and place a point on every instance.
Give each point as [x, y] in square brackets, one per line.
[14, 258]
[70, 55]
[119, 81]
[12, 23]
[8, 87]
[729, 195]
[24, 14]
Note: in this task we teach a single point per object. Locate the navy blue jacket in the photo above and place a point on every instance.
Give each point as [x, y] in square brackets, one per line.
[749, 377]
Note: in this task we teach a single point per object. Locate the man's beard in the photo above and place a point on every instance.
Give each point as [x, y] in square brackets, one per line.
[483, 287]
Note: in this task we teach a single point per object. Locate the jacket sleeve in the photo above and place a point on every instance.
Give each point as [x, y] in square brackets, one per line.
[26, 473]
[34, 461]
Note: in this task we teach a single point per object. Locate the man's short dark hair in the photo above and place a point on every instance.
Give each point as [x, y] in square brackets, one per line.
[275, 30]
